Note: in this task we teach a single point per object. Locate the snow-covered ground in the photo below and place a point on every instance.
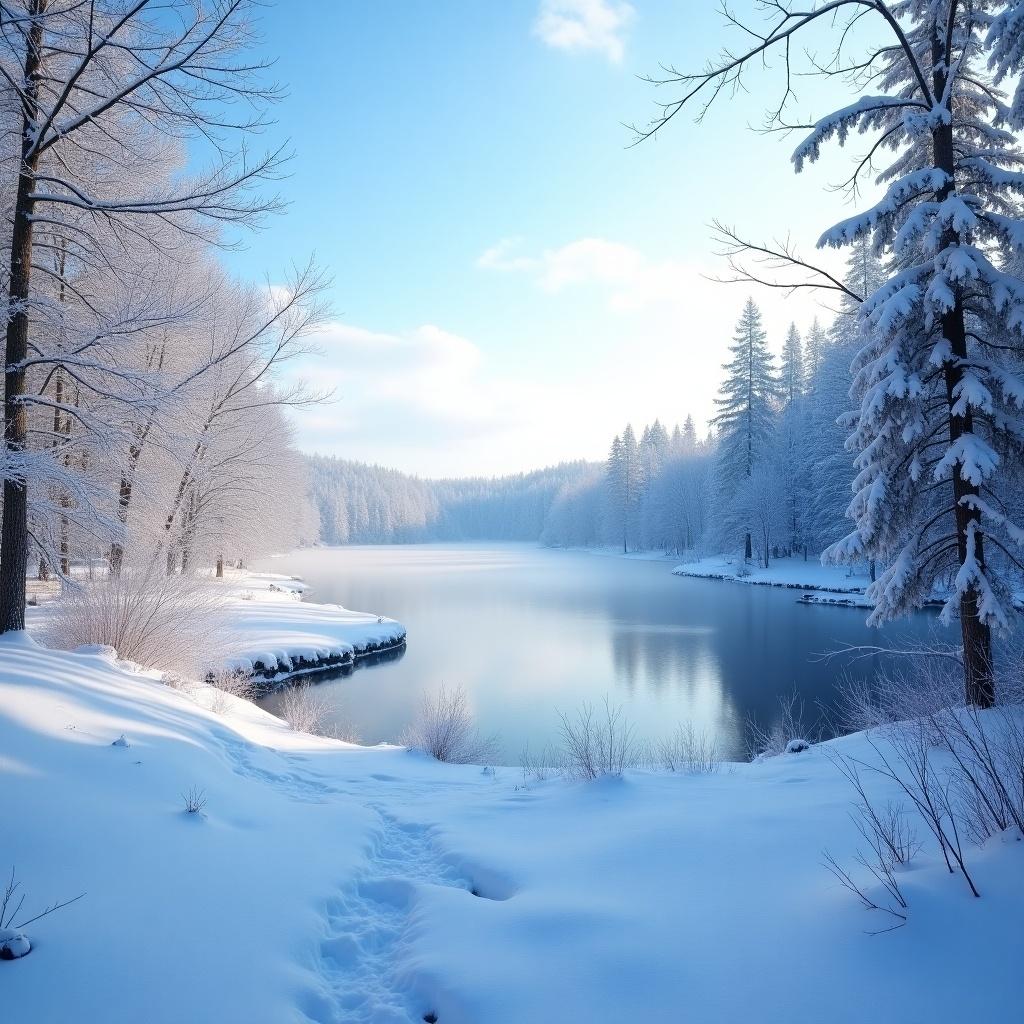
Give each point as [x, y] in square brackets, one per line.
[276, 634]
[270, 632]
[793, 573]
[329, 883]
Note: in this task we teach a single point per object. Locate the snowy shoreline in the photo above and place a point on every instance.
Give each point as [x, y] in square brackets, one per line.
[421, 883]
[277, 636]
[785, 573]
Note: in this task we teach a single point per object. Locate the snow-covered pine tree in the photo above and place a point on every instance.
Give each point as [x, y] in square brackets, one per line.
[829, 464]
[814, 349]
[745, 419]
[939, 374]
[793, 374]
[689, 435]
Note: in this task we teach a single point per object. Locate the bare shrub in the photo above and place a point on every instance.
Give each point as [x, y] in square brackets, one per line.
[539, 767]
[228, 684]
[305, 709]
[788, 725]
[13, 944]
[909, 766]
[886, 829]
[687, 751]
[158, 621]
[923, 686]
[444, 728]
[597, 743]
[176, 681]
[987, 769]
[194, 800]
[894, 903]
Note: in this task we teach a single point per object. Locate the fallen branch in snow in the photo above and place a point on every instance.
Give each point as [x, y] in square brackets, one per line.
[13, 943]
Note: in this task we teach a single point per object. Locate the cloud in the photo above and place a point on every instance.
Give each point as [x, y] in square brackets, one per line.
[422, 388]
[630, 280]
[585, 25]
[498, 257]
[604, 333]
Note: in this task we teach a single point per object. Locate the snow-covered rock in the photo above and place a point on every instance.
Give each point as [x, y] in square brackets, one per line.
[13, 944]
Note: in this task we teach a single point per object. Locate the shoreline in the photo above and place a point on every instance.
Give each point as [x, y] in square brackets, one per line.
[277, 636]
[786, 574]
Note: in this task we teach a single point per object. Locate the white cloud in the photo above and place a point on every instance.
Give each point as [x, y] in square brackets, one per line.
[609, 334]
[596, 25]
[499, 257]
[423, 387]
[630, 280]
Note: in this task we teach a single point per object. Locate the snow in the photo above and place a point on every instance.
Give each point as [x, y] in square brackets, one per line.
[331, 883]
[13, 944]
[273, 629]
[792, 573]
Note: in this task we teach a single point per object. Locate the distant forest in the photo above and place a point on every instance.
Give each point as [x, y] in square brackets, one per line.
[361, 504]
[772, 476]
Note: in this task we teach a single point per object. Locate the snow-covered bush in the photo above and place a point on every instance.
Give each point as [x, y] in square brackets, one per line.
[444, 728]
[597, 743]
[156, 620]
[687, 750]
[788, 725]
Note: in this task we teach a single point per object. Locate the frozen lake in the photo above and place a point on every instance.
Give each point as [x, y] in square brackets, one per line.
[528, 632]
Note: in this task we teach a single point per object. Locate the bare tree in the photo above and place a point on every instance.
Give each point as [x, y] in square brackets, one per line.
[96, 88]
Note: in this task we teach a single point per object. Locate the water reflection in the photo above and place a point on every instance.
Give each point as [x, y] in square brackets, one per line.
[529, 632]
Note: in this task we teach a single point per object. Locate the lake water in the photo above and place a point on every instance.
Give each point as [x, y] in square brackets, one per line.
[529, 632]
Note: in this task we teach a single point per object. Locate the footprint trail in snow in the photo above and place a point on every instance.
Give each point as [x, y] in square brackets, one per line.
[366, 929]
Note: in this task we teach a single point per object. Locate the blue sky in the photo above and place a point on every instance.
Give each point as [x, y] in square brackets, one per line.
[511, 282]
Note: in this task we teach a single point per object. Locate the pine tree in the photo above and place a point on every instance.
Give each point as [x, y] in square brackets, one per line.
[938, 375]
[792, 366]
[689, 435]
[814, 350]
[745, 419]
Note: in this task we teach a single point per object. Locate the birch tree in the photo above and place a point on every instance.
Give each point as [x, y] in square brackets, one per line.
[95, 91]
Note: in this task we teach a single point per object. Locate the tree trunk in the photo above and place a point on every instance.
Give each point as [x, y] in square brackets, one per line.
[979, 682]
[220, 567]
[748, 549]
[14, 529]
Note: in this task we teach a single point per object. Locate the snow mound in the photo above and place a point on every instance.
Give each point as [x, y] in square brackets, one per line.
[13, 944]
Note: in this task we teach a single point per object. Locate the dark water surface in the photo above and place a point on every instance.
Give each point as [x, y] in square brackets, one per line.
[528, 632]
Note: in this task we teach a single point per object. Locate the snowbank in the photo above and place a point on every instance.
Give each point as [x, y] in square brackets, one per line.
[792, 573]
[329, 883]
[276, 635]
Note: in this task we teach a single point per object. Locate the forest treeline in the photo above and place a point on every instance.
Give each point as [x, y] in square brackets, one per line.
[771, 475]
[144, 413]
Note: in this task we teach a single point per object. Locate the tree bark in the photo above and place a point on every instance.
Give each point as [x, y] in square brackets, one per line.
[14, 528]
[979, 682]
